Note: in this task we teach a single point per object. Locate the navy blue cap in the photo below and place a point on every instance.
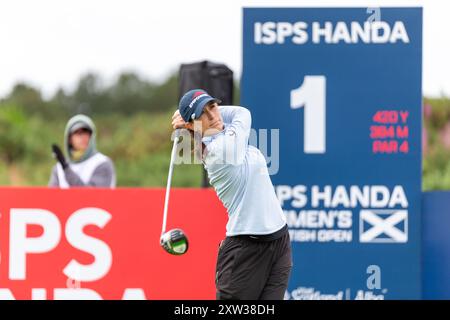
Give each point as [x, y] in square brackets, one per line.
[193, 102]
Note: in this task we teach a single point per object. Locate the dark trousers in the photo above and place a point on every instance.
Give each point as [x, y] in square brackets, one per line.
[253, 270]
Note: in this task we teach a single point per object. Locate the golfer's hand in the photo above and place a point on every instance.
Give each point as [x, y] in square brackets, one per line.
[177, 121]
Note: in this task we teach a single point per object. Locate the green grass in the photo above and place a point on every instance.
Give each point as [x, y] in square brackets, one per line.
[139, 145]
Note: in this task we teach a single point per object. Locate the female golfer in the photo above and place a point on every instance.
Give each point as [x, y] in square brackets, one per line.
[254, 260]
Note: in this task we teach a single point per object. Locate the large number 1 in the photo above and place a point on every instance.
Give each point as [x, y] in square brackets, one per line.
[312, 96]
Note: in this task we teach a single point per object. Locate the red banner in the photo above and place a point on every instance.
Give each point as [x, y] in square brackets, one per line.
[104, 244]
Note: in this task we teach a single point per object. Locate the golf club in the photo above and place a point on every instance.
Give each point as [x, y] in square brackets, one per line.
[173, 241]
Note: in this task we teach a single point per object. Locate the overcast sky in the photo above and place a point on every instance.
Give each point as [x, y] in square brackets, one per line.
[49, 43]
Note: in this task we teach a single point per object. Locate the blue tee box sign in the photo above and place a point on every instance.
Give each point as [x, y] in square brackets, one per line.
[343, 88]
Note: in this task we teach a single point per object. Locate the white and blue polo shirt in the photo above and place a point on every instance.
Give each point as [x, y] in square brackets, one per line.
[238, 172]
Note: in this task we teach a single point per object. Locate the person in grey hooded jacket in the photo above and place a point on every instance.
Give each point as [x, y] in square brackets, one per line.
[86, 167]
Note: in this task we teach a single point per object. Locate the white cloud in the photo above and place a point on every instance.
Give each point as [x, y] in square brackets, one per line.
[49, 43]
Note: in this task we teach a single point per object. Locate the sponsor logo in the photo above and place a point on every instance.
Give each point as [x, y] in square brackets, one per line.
[383, 226]
[373, 291]
[300, 32]
[310, 293]
[196, 98]
[54, 233]
[330, 214]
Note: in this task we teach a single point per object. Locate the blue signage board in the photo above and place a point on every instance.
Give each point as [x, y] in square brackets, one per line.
[436, 245]
[338, 93]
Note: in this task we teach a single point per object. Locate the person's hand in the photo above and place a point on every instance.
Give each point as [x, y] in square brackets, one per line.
[177, 121]
[57, 153]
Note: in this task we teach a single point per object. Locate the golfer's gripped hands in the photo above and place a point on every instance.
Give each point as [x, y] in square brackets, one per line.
[177, 120]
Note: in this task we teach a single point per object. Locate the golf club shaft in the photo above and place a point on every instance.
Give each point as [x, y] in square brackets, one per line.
[169, 178]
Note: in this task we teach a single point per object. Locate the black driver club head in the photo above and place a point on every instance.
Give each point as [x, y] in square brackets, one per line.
[174, 242]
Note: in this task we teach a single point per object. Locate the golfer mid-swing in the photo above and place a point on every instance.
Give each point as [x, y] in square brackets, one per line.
[254, 260]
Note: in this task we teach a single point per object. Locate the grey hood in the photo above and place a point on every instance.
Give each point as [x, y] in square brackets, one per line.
[76, 122]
